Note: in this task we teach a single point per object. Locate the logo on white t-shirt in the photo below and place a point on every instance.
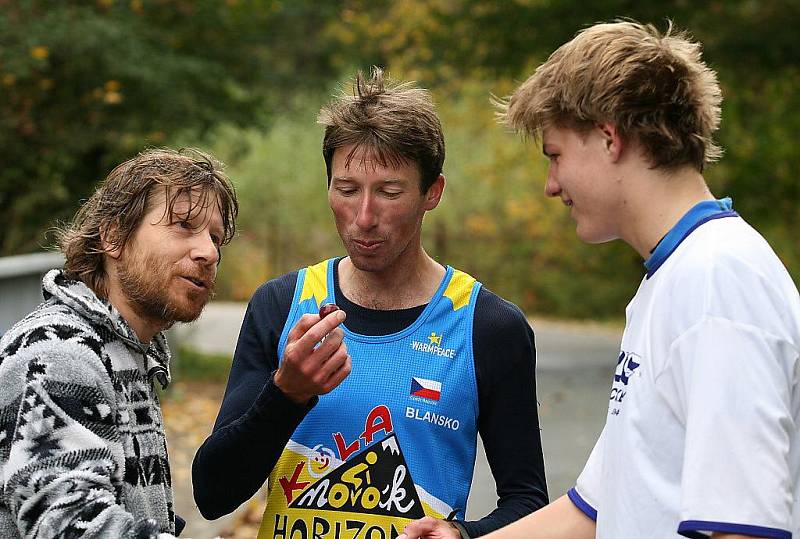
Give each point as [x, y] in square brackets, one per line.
[627, 363]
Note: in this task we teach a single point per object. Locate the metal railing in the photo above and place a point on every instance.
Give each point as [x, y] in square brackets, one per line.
[21, 290]
[21, 284]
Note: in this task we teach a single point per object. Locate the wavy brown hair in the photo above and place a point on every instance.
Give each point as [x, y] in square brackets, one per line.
[117, 207]
[395, 122]
[654, 87]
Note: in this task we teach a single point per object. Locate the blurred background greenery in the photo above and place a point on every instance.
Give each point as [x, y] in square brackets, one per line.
[87, 84]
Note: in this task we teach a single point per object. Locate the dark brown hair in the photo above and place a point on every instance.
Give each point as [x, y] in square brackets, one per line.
[394, 122]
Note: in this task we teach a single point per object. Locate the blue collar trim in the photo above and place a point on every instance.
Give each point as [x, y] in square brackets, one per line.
[701, 213]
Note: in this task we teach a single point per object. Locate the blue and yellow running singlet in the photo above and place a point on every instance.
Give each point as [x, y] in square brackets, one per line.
[395, 441]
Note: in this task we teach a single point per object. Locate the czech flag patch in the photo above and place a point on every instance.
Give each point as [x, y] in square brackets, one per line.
[427, 389]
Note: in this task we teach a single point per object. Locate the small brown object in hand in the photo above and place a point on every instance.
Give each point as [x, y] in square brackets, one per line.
[327, 309]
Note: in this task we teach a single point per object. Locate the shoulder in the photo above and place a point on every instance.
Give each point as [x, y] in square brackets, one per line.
[498, 316]
[54, 342]
[52, 324]
[501, 325]
[275, 292]
[503, 344]
[725, 247]
[728, 271]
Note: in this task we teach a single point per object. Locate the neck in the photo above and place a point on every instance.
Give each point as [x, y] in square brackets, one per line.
[658, 201]
[409, 283]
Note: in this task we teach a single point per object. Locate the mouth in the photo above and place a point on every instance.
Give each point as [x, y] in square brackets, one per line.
[199, 282]
[567, 203]
[367, 245]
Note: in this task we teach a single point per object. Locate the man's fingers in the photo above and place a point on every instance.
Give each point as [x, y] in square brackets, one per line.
[420, 528]
[320, 329]
[336, 368]
[302, 326]
[331, 343]
[315, 359]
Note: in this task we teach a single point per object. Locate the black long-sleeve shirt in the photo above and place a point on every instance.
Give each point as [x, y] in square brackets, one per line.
[256, 419]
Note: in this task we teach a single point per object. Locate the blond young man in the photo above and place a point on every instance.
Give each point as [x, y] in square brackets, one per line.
[701, 436]
[436, 359]
[82, 446]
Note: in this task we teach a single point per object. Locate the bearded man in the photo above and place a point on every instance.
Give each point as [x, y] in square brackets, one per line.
[82, 445]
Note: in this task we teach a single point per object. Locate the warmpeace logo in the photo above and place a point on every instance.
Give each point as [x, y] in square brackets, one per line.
[434, 346]
[627, 363]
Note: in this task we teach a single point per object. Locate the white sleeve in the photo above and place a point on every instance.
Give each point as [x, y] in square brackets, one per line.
[732, 385]
[586, 492]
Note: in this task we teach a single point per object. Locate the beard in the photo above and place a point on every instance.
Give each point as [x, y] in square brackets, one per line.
[147, 282]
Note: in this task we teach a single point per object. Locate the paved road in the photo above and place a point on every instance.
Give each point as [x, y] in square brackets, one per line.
[575, 365]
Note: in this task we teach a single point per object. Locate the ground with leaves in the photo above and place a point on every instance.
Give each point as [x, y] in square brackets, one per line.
[190, 409]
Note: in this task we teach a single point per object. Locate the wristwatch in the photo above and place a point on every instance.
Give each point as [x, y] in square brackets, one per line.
[457, 525]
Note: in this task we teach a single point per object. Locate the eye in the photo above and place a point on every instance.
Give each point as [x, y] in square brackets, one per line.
[184, 224]
[346, 191]
[392, 194]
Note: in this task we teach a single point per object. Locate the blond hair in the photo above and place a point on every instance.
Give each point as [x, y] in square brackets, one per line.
[653, 87]
[120, 202]
[393, 122]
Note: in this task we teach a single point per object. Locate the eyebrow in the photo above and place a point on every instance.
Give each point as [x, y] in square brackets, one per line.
[349, 179]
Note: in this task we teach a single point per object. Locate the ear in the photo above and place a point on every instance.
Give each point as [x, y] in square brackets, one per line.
[612, 140]
[434, 194]
[108, 231]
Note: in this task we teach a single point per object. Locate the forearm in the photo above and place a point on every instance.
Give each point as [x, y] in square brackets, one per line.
[509, 509]
[559, 520]
[237, 458]
[73, 503]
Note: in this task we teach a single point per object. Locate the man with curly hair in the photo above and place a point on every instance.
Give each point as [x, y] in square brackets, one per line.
[82, 446]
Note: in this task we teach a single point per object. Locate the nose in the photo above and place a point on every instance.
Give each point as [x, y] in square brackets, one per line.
[366, 217]
[551, 186]
[204, 249]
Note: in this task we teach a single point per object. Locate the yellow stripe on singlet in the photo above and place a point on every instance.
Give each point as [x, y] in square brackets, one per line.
[315, 284]
[459, 289]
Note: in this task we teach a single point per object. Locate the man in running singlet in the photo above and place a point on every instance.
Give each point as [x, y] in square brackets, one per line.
[434, 359]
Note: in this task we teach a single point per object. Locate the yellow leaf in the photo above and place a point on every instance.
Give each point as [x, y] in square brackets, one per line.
[113, 98]
[40, 52]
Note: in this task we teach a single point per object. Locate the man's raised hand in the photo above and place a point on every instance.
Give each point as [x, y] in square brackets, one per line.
[315, 359]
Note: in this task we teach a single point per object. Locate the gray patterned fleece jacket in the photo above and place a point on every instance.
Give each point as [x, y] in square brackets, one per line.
[82, 446]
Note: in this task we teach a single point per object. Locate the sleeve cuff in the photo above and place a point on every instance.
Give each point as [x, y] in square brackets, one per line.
[582, 504]
[692, 528]
[273, 398]
[460, 527]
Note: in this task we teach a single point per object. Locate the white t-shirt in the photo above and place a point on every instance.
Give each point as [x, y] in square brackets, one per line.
[703, 432]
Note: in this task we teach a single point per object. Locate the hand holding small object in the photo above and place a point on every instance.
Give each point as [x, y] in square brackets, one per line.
[315, 359]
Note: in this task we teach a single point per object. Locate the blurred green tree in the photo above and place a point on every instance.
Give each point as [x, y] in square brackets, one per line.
[86, 84]
[448, 45]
